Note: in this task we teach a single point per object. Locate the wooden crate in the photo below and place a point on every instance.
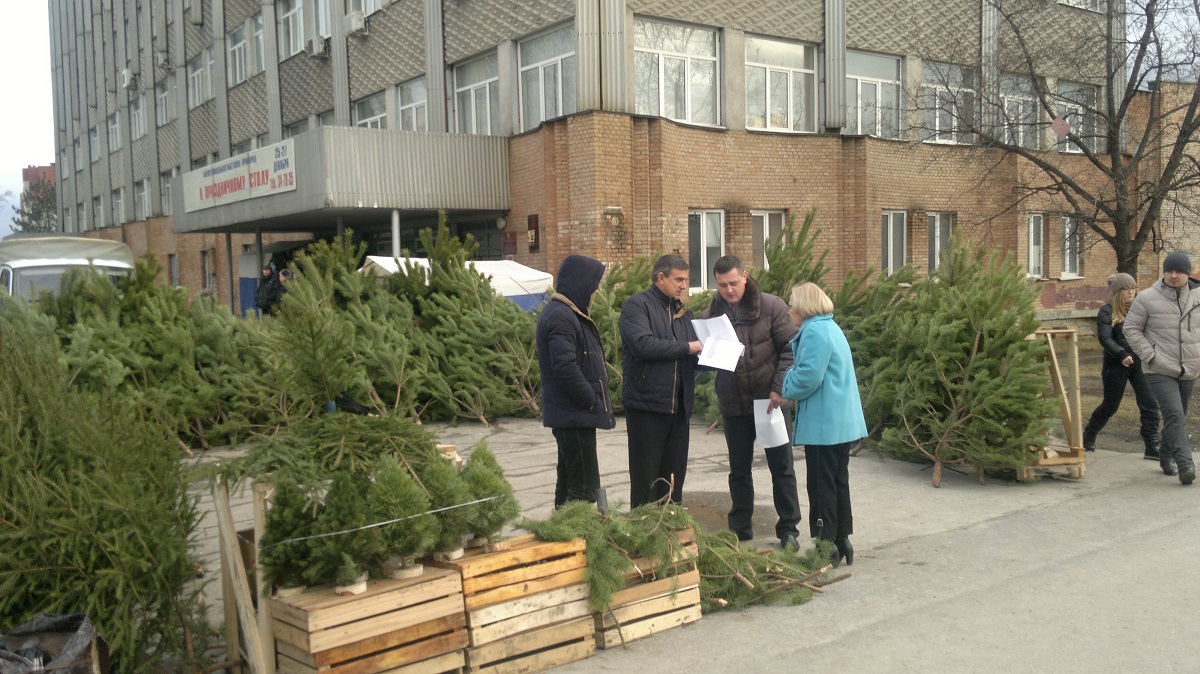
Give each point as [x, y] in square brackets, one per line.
[527, 606]
[526, 566]
[653, 600]
[416, 625]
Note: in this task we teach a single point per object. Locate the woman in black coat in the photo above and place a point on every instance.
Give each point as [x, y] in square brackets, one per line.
[575, 400]
[1120, 366]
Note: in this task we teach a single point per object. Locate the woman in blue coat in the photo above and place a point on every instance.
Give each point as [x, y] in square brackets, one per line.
[829, 416]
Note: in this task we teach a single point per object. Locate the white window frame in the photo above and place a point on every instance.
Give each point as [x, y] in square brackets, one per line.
[295, 129]
[368, 7]
[645, 104]
[765, 225]
[290, 27]
[242, 147]
[891, 221]
[199, 74]
[68, 223]
[173, 269]
[1072, 238]
[370, 112]
[413, 110]
[78, 148]
[322, 17]
[855, 112]
[947, 98]
[701, 249]
[235, 61]
[559, 95]
[164, 192]
[137, 117]
[1036, 236]
[1089, 5]
[114, 132]
[260, 50]
[164, 101]
[208, 273]
[1082, 115]
[94, 143]
[97, 213]
[141, 200]
[801, 82]
[941, 225]
[118, 205]
[467, 96]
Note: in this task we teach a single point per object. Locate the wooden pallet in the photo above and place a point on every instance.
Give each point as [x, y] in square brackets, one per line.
[644, 609]
[655, 598]
[416, 625]
[527, 607]
[524, 567]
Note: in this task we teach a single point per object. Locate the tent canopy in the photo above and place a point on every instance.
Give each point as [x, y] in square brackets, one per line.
[524, 285]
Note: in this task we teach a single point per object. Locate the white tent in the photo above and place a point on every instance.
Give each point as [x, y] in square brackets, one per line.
[524, 285]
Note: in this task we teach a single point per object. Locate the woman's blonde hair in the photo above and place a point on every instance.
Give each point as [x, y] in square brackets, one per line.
[1119, 307]
[809, 300]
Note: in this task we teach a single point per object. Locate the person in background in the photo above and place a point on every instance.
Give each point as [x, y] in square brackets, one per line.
[1120, 366]
[764, 328]
[829, 416]
[1163, 327]
[658, 361]
[267, 292]
[575, 399]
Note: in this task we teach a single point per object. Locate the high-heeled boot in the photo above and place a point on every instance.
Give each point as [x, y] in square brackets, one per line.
[846, 550]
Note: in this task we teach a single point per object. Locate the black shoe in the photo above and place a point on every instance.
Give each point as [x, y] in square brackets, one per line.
[1187, 476]
[835, 555]
[847, 551]
[1089, 441]
[1151, 452]
[789, 544]
[1168, 466]
[743, 536]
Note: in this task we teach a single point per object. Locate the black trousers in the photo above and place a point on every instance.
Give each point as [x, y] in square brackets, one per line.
[578, 468]
[658, 451]
[829, 513]
[1114, 377]
[739, 438]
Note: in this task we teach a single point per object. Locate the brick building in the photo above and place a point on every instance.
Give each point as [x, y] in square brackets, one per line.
[200, 129]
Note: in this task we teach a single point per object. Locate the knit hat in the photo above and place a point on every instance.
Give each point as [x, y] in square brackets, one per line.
[1119, 282]
[1178, 261]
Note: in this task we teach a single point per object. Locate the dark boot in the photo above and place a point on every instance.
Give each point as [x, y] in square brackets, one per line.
[1089, 438]
[846, 550]
[1151, 451]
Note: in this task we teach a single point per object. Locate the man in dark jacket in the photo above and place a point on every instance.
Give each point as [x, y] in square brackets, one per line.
[575, 398]
[765, 329]
[658, 359]
[268, 290]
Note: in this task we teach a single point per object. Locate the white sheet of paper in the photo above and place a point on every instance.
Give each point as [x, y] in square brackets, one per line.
[769, 428]
[721, 346]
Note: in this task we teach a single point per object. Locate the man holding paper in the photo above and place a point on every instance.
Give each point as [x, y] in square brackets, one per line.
[764, 328]
[658, 359]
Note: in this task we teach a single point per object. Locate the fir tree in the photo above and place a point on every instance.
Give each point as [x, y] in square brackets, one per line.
[396, 494]
[447, 494]
[485, 479]
[963, 383]
[284, 553]
[347, 544]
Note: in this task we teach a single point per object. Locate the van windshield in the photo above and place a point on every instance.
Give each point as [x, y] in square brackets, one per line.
[31, 282]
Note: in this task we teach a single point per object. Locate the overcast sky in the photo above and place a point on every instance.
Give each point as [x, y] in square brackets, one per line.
[27, 109]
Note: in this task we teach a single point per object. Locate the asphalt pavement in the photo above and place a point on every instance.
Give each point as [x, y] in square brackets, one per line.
[1091, 575]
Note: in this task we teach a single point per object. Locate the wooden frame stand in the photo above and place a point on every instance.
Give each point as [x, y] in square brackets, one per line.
[1066, 388]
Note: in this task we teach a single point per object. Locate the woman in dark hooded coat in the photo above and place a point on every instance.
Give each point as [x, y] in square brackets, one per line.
[575, 400]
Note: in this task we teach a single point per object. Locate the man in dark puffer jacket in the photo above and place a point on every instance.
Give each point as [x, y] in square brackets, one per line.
[765, 329]
[575, 398]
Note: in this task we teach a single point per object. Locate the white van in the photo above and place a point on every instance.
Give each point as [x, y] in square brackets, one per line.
[29, 266]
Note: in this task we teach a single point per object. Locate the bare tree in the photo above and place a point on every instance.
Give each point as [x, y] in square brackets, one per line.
[1118, 91]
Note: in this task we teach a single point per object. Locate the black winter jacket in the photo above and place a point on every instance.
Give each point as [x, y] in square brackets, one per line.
[1112, 338]
[655, 357]
[570, 354]
[764, 327]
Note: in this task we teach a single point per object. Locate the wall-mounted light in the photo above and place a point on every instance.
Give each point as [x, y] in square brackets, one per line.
[501, 223]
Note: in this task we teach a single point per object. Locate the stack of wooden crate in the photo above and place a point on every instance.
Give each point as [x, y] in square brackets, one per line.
[401, 626]
[656, 597]
[527, 607]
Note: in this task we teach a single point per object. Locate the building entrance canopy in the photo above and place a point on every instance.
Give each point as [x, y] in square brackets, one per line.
[308, 182]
